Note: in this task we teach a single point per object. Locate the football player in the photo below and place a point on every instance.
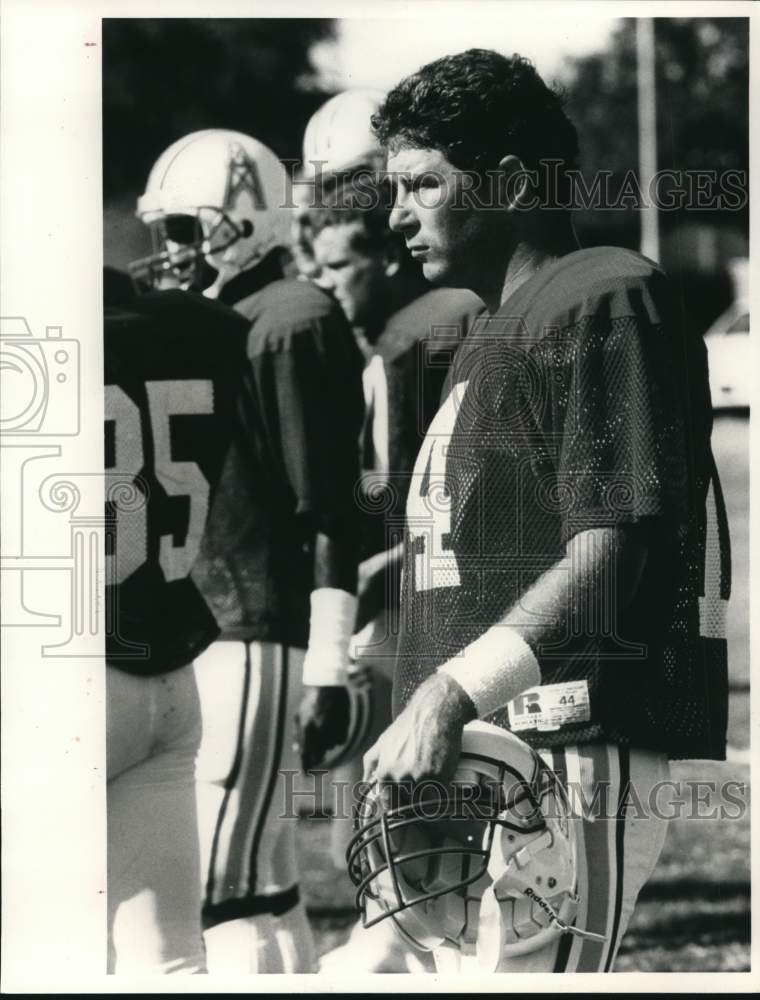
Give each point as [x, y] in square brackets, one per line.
[407, 332]
[338, 144]
[175, 404]
[278, 563]
[566, 565]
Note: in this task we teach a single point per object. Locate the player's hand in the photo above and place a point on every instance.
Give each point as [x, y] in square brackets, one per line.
[425, 741]
[321, 723]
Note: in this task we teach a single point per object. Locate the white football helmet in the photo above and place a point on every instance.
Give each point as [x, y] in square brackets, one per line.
[216, 198]
[483, 867]
[339, 138]
[338, 143]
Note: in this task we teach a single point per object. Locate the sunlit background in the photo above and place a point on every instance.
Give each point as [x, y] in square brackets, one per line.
[374, 52]
[164, 78]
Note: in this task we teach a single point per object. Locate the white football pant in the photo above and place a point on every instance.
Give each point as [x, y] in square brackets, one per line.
[253, 918]
[153, 734]
[618, 849]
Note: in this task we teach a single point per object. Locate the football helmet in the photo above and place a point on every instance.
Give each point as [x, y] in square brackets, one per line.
[339, 138]
[362, 692]
[338, 144]
[485, 866]
[216, 203]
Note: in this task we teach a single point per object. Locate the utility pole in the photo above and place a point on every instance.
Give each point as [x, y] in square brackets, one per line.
[647, 107]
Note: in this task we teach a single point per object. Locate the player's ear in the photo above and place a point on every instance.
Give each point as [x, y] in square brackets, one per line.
[515, 183]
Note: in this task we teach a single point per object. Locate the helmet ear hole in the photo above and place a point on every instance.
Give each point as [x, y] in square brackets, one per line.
[247, 228]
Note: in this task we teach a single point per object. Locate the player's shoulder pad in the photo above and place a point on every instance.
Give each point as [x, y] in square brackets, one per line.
[618, 281]
[189, 312]
[442, 315]
[155, 327]
[287, 311]
[118, 289]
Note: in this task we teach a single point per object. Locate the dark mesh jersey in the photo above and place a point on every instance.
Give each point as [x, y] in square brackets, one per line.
[580, 404]
[416, 348]
[174, 406]
[256, 564]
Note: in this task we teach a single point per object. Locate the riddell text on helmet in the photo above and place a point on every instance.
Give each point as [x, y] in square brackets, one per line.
[545, 907]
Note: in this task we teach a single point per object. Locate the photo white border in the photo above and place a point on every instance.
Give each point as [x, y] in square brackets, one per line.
[53, 739]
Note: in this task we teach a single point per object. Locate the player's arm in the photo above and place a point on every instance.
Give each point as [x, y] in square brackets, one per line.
[379, 563]
[425, 740]
[329, 417]
[377, 573]
[323, 714]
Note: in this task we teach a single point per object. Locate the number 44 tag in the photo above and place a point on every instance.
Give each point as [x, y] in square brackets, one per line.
[550, 707]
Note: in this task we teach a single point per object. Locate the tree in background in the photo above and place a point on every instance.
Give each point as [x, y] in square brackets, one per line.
[163, 78]
[702, 80]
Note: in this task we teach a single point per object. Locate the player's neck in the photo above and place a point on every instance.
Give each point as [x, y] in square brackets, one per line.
[251, 281]
[528, 258]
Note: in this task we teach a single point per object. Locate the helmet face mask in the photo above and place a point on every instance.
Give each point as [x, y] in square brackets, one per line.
[484, 865]
[178, 255]
[417, 840]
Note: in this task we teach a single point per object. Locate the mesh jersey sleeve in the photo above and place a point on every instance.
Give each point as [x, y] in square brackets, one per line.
[618, 416]
[310, 394]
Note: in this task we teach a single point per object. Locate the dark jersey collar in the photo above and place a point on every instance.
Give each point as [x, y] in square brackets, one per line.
[248, 282]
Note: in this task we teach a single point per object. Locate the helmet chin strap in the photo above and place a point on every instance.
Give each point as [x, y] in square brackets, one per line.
[493, 929]
[518, 884]
[565, 927]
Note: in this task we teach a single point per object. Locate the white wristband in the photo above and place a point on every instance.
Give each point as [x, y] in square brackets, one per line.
[494, 669]
[333, 613]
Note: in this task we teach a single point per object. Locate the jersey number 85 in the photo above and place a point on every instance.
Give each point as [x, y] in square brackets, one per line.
[165, 399]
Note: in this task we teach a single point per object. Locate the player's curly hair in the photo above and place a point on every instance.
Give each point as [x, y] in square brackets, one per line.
[476, 107]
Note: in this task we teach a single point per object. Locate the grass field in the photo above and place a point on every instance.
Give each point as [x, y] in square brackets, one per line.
[694, 914]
